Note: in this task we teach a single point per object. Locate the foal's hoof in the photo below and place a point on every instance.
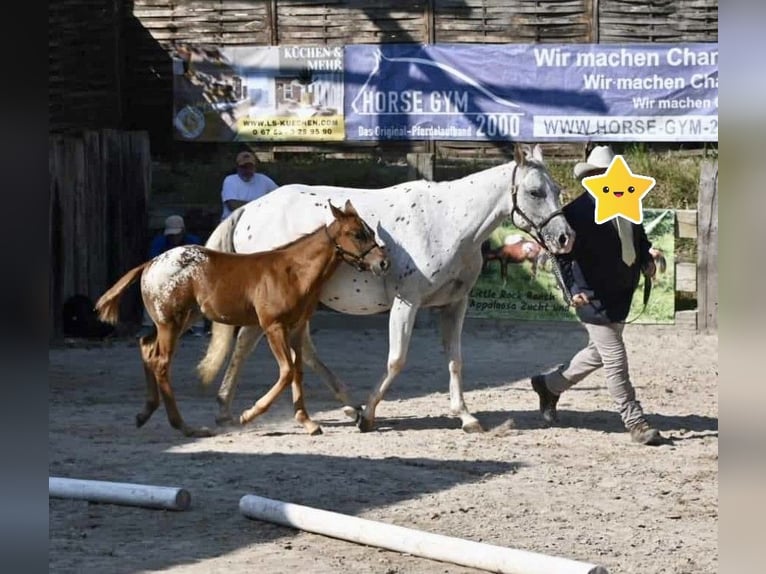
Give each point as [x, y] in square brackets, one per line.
[197, 433]
[473, 427]
[316, 431]
[141, 418]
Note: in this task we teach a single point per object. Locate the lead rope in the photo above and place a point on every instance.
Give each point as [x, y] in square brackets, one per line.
[647, 294]
[560, 279]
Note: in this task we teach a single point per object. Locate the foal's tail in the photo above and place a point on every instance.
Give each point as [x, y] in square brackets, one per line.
[222, 239]
[220, 341]
[108, 306]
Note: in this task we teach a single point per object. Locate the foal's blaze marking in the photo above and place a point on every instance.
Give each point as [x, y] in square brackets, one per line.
[260, 290]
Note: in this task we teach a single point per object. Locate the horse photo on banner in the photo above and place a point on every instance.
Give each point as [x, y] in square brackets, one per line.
[517, 280]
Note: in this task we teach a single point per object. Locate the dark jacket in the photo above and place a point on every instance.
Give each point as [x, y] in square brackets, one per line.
[160, 243]
[595, 266]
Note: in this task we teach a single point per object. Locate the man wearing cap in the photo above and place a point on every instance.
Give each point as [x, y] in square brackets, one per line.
[601, 274]
[173, 236]
[245, 185]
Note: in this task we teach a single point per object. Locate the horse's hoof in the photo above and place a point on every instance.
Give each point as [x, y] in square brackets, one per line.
[473, 427]
[316, 431]
[364, 424]
[198, 433]
[141, 419]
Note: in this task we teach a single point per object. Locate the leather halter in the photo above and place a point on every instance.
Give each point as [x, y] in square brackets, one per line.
[536, 229]
[537, 232]
[355, 260]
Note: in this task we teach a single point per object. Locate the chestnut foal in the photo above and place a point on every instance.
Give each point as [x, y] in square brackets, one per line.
[276, 290]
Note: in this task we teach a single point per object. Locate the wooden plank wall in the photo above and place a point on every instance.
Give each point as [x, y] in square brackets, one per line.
[657, 21]
[346, 22]
[518, 21]
[99, 190]
[84, 64]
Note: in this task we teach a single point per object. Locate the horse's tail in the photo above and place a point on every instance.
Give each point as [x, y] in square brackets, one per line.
[659, 259]
[220, 341]
[222, 238]
[662, 264]
[108, 306]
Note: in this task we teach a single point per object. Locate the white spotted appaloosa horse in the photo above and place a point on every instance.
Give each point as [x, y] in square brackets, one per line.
[274, 292]
[433, 232]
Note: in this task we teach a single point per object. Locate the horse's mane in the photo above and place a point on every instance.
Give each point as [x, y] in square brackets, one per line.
[507, 166]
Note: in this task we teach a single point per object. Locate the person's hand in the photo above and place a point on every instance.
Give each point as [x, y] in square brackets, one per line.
[650, 269]
[580, 299]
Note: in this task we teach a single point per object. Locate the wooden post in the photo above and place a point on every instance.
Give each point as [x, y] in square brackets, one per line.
[425, 166]
[271, 14]
[429, 22]
[707, 248]
[421, 166]
[595, 33]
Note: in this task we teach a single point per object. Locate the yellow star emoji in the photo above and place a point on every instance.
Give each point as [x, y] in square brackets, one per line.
[618, 192]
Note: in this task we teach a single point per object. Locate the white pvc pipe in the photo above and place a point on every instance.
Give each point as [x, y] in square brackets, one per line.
[410, 541]
[145, 495]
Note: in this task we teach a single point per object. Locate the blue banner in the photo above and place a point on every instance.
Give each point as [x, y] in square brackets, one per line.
[532, 92]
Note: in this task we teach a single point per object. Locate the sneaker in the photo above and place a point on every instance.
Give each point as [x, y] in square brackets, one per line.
[548, 400]
[643, 433]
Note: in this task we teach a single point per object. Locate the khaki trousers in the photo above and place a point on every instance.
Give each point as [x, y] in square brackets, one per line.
[605, 349]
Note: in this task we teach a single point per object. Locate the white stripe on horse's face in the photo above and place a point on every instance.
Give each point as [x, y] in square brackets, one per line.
[166, 273]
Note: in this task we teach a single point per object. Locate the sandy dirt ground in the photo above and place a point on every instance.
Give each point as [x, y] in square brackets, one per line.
[580, 491]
